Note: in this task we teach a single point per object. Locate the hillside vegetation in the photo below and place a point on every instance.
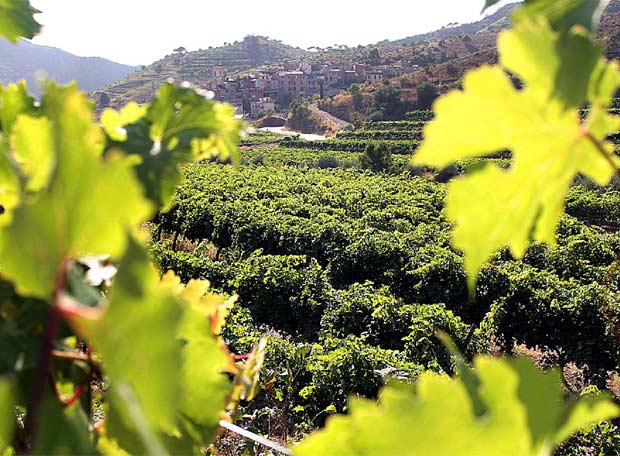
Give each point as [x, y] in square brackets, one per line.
[492, 23]
[443, 63]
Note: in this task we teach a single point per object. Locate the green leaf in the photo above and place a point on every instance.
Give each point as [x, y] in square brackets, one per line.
[62, 431]
[90, 206]
[14, 100]
[31, 142]
[136, 337]
[167, 386]
[204, 358]
[562, 14]
[7, 414]
[552, 66]
[17, 20]
[526, 416]
[540, 125]
[114, 122]
[179, 126]
[10, 187]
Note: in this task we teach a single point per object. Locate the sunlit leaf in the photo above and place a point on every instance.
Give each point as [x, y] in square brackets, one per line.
[31, 142]
[14, 100]
[204, 384]
[564, 14]
[179, 126]
[141, 315]
[17, 20]
[175, 369]
[7, 414]
[526, 415]
[90, 205]
[10, 187]
[540, 125]
[114, 122]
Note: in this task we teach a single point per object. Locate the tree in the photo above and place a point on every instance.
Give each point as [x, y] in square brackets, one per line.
[356, 96]
[376, 158]
[427, 93]
[104, 100]
[388, 99]
[452, 70]
[180, 50]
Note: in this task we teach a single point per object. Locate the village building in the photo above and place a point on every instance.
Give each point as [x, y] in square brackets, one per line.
[263, 105]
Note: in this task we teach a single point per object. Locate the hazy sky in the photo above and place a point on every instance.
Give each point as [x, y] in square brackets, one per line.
[142, 31]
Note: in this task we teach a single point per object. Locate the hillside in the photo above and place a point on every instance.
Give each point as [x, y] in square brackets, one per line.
[197, 67]
[443, 62]
[24, 60]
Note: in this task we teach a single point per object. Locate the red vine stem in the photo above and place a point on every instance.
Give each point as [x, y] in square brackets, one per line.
[54, 319]
[93, 367]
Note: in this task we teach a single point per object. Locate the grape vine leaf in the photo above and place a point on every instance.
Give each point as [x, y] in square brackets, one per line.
[563, 15]
[10, 187]
[204, 359]
[7, 414]
[90, 204]
[30, 140]
[65, 430]
[175, 380]
[179, 126]
[14, 100]
[17, 20]
[141, 316]
[526, 415]
[539, 124]
[114, 122]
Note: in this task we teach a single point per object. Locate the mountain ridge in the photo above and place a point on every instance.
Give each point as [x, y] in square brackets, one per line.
[26, 60]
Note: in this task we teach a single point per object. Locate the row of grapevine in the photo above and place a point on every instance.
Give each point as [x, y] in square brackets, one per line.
[381, 135]
[404, 147]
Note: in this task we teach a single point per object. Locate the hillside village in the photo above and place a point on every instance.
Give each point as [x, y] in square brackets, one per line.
[256, 94]
[261, 90]
[259, 75]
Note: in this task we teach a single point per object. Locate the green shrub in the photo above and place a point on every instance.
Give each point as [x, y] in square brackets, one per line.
[351, 366]
[327, 162]
[544, 311]
[376, 158]
[285, 292]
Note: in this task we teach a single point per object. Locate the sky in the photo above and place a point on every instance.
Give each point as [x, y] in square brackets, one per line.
[139, 32]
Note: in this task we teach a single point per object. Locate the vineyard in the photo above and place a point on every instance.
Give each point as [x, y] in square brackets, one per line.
[445, 284]
[350, 272]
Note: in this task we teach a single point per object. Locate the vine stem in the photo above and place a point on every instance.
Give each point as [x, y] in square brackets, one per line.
[85, 385]
[596, 143]
[54, 319]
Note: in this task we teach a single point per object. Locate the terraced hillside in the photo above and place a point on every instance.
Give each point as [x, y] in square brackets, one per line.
[443, 63]
[197, 67]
